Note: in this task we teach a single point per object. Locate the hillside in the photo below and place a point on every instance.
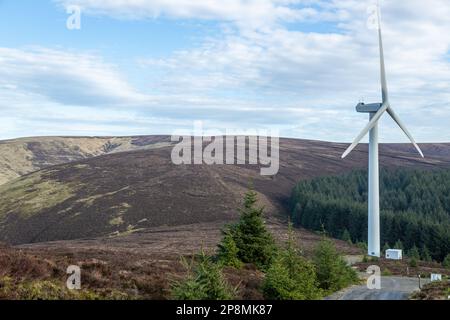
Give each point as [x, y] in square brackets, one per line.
[126, 192]
[22, 156]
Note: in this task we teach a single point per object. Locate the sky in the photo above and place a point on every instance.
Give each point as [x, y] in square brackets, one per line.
[138, 67]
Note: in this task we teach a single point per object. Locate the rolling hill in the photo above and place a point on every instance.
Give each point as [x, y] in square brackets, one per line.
[112, 191]
[25, 155]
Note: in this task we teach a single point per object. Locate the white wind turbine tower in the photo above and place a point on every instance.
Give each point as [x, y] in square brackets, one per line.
[375, 111]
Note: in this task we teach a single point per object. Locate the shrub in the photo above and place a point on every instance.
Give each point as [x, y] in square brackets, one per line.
[446, 262]
[333, 273]
[227, 254]
[425, 254]
[346, 236]
[413, 262]
[50, 290]
[204, 281]
[291, 276]
[399, 245]
[362, 246]
[386, 247]
[386, 272]
[414, 253]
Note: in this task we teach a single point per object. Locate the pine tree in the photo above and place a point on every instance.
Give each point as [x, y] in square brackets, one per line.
[386, 247]
[291, 276]
[362, 246]
[446, 262]
[425, 254]
[346, 236]
[189, 289]
[333, 273]
[227, 253]
[414, 253]
[204, 281]
[399, 245]
[254, 242]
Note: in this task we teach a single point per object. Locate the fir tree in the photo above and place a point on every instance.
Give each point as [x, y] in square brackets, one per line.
[278, 285]
[414, 253]
[227, 253]
[399, 245]
[425, 254]
[254, 242]
[291, 276]
[386, 247]
[333, 273]
[446, 262]
[204, 281]
[362, 246]
[346, 236]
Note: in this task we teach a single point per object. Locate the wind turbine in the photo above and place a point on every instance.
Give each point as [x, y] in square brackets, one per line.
[375, 111]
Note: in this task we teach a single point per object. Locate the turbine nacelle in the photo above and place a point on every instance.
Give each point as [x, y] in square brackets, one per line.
[368, 108]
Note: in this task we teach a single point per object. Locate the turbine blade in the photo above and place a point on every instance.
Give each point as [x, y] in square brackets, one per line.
[384, 89]
[366, 130]
[403, 127]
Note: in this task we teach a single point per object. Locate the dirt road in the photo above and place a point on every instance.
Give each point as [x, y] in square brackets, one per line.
[392, 288]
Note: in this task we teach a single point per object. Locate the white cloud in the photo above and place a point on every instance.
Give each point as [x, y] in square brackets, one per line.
[54, 92]
[246, 13]
[65, 77]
